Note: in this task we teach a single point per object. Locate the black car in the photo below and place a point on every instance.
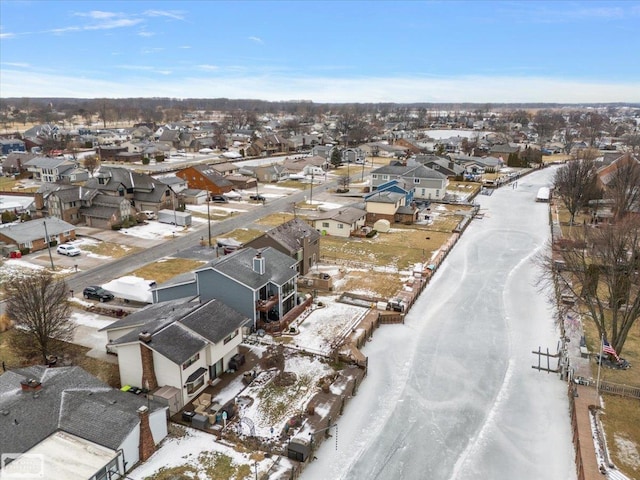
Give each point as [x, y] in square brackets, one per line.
[257, 198]
[97, 293]
[219, 199]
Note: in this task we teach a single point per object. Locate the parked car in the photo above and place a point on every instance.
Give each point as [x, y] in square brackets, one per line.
[69, 250]
[97, 293]
[257, 198]
[219, 199]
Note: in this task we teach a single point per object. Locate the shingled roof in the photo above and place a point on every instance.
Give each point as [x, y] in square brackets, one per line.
[70, 399]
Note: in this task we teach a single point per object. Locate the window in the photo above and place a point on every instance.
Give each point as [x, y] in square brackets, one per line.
[325, 224]
[437, 193]
[231, 336]
[374, 176]
[416, 180]
[191, 361]
[196, 384]
[340, 226]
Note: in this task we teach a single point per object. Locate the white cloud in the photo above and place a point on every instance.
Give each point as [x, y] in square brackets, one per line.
[481, 89]
[16, 64]
[144, 33]
[256, 39]
[7, 35]
[185, 47]
[209, 68]
[175, 14]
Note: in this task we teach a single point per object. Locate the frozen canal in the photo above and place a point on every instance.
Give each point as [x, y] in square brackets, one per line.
[451, 394]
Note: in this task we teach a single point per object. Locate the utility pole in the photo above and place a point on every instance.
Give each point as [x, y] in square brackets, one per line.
[209, 217]
[46, 237]
[311, 192]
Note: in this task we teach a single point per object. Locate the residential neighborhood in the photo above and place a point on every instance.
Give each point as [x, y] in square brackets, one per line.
[280, 244]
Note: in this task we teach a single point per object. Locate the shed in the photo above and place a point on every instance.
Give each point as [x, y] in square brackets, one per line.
[299, 449]
[382, 226]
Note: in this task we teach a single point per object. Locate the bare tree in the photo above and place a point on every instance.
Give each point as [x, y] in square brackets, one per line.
[603, 273]
[91, 163]
[575, 184]
[38, 305]
[623, 187]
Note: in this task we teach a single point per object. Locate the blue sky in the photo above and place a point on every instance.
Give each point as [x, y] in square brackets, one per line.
[331, 51]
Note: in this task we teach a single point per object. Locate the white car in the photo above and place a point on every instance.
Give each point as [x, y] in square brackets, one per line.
[69, 250]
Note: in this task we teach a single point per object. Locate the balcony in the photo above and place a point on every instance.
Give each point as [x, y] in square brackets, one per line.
[264, 305]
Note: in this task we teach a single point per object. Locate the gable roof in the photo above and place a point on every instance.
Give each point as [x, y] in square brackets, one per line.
[210, 174]
[347, 215]
[291, 233]
[279, 268]
[137, 182]
[409, 171]
[71, 400]
[180, 328]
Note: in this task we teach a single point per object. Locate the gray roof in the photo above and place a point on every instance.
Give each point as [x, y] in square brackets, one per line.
[70, 193]
[214, 320]
[34, 229]
[279, 268]
[138, 182]
[347, 215]
[157, 311]
[384, 197]
[180, 328]
[409, 171]
[47, 162]
[70, 400]
[291, 233]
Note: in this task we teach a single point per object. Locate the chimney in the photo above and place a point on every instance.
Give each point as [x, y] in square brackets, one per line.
[30, 385]
[149, 380]
[146, 446]
[258, 264]
[144, 337]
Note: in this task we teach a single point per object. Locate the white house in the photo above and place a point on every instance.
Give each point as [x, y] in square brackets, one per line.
[78, 426]
[427, 184]
[181, 344]
[340, 222]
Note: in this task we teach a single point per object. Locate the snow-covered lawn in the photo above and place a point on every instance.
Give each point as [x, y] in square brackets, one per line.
[154, 230]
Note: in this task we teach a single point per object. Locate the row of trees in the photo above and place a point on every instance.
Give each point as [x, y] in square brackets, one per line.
[602, 265]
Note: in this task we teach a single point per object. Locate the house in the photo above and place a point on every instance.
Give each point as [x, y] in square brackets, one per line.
[426, 183]
[15, 162]
[194, 196]
[443, 165]
[47, 169]
[353, 155]
[340, 222]
[503, 150]
[205, 177]
[302, 164]
[295, 238]
[143, 191]
[260, 284]
[267, 173]
[225, 168]
[33, 235]
[176, 184]
[66, 200]
[181, 344]
[105, 211]
[8, 145]
[75, 424]
[392, 202]
[324, 151]
[412, 147]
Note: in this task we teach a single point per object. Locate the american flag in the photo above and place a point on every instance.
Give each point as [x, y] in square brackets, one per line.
[607, 348]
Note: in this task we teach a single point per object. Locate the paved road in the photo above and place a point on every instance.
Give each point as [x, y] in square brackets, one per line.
[191, 241]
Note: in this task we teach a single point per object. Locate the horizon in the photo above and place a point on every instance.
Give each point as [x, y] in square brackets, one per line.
[502, 52]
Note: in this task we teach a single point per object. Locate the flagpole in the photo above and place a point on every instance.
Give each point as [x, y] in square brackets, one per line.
[599, 365]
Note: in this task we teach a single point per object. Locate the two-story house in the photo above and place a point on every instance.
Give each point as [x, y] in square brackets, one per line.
[205, 177]
[143, 191]
[295, 238]
[180, 344]
[427, 184]
[37, 233]
[260, 284]
[47, 169]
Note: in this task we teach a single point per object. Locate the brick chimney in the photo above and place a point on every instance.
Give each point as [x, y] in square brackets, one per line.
[149, 380]
[30, 385]
[146, 446]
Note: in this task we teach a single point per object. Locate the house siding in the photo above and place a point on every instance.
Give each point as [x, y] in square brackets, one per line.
[129, 364]
[215, 285]
[175, 292]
